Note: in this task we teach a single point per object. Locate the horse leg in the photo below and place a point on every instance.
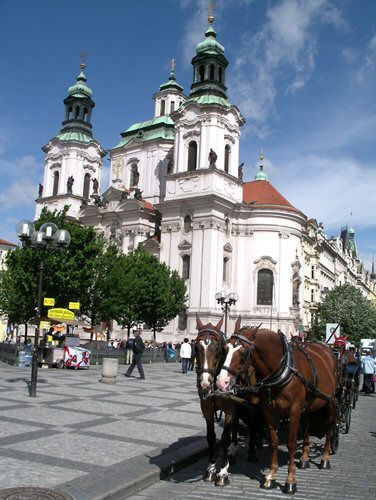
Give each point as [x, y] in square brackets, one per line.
[325, 461]
[304, 459]
[210, 473]
[269, 482]
[233, 448]
[254, 436]
[290, 485]
[231, 420]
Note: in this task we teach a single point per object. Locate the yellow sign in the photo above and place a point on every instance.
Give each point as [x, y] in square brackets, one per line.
[74, 305]
[62, 314]
[45, 325]
[48, 302]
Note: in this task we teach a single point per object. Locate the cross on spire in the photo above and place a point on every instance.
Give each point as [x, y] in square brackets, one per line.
[211, 12]
[173, 63]
[83, 59]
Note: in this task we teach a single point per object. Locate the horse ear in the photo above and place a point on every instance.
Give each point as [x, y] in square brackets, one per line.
[219, 324]
[238, 324]
[257, 328]
[199, 323]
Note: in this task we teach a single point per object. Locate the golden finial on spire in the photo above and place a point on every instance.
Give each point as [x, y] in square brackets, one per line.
[211, 12]
[262, 154]
[83, 59]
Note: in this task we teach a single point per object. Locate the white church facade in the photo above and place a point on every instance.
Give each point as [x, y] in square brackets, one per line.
[177, 188]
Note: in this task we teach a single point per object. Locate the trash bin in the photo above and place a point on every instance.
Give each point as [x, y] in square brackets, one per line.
[109, 370]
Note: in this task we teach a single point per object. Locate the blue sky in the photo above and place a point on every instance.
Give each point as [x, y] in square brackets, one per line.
[302, 73]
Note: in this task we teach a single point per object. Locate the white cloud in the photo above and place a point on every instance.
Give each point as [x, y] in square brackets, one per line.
[350, 55]
[367, 70]
[284, 48]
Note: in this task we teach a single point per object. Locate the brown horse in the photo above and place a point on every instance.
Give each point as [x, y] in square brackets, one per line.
[209, 346]
[292, 381]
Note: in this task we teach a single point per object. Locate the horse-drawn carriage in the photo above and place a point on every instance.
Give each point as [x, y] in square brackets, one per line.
[301, 383]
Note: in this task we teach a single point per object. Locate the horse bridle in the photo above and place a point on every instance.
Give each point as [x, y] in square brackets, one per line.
[221, 341]
[245, 357]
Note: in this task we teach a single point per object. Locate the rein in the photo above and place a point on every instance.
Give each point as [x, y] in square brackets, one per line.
[221, 339]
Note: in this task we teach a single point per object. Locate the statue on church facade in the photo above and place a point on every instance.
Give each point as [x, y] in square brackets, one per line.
[138, 194]
[170, 166]
[95, 186]
[70, 182]
[40, 191]
[240, 171]
[212, 158]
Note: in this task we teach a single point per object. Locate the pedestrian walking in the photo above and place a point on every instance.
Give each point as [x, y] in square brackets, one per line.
[368, 367]
[138, 349]
[185, 355]
[193, 355]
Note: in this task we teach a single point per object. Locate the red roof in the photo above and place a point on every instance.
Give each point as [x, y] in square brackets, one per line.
[8, 243]
[263, 193]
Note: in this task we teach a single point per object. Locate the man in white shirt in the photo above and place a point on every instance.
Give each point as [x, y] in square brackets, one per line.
[185, 355]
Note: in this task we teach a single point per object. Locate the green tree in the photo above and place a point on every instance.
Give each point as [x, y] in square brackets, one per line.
[347, 306]
[150, 292]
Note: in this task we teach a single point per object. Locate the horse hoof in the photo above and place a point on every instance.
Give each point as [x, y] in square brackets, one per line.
[222, 481]
[252, 458]
[268, 484]
[304, 464]
[325, 464]
[290, 488]
[210, 476]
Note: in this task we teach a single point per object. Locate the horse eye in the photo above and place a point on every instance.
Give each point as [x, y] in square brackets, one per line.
[207, 341]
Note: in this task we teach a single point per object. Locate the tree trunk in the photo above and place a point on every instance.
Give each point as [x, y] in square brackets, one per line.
[25, 341]
[154, 343]
[128, 331]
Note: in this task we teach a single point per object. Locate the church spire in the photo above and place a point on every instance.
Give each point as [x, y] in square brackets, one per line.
[373, 275]
[261, 175]
[78, 107]
[172, 83]
[209, 63]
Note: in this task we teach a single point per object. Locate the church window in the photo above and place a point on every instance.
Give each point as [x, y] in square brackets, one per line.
[312, 295]
[225, 269]
[56, 184]
[135, 176]
[186, 267]
[70, 110]
[212, 72]
[86, 186]
[227, 226]
[163, 105]
[77, 112]
[202, 73]
[172, 106]
[187, 223]
[227, 157]
[313, 272]
[265, 287]
[85, 114]
[192, 156]
[182, 320]
[220, 75]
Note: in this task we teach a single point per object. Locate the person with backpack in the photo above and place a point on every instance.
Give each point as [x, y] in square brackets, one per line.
[129, 351]
[138, 349]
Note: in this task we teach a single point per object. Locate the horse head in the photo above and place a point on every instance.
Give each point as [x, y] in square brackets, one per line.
[209, 354]
[238, 355]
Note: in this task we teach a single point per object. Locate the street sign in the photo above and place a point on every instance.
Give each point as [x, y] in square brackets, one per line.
[333, 330]
[49, 302]
[74, 305]
[63, 314]
[45, 325]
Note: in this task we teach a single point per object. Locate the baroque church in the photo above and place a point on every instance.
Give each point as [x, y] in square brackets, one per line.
[177, 188]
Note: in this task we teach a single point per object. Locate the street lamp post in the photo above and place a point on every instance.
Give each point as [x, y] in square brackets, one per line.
[226, 301]
[47, 238]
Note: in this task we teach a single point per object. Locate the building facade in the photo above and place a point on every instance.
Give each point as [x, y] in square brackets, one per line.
[177, 188]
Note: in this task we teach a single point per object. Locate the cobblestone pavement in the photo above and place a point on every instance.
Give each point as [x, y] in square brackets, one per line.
[352, 475]
[86, 438]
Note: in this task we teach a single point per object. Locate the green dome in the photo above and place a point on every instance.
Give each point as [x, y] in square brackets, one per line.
[351, 231]
[80, 89]
[261, 175]
[210, 45]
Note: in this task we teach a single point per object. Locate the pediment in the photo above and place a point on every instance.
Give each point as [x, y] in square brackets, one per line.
[89, 211]
[265, 259]
[227, 247]
[184, 245]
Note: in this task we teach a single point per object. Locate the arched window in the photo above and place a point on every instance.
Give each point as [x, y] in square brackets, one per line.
[56, 184]
[202, 73]
[172, 106]
[186, 267]
[163, 105]
[192, 156]
[182, 320]
[225, 269]
[86, 186]
[69, 113]
[227, 157]
[85, 114]
[220, 75]
[212, 72]
[135, 176]
[227, 226]
[77, 112]
[265, 283]
[187, 223]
